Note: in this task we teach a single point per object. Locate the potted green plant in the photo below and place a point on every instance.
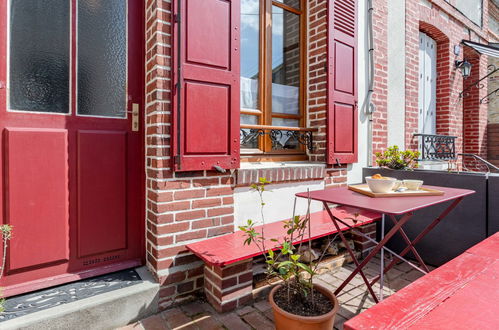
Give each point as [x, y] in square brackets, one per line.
[297, 302]
[396, 159]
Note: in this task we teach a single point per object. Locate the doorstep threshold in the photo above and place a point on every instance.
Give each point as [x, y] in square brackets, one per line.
[103, 302]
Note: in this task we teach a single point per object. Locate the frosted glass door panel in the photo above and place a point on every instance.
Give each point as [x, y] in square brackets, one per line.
[102, 62]
[39, 56]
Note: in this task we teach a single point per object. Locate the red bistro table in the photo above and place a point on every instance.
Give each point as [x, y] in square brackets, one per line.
[399, 210]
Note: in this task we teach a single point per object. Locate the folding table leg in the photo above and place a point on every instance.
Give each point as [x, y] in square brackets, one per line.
[411, 246]
[382, 263]
[352, 255]
[421, 235]
[374, 251]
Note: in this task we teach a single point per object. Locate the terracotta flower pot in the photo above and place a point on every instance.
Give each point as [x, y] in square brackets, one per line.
[287, 321]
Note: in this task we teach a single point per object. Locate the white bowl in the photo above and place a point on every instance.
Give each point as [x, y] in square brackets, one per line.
[413, 184]
[380, 185]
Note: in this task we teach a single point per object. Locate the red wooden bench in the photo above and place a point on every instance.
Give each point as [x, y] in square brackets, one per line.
[228, 262]
[462, 294]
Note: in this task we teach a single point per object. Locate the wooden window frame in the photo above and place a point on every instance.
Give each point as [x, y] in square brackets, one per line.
[265, 114]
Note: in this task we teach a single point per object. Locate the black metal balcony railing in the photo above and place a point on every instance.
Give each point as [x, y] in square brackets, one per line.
[281, 137]
[436, 147]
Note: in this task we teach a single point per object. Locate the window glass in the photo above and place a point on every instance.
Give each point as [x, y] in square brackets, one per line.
[291, 3]
[249, 140]
[285, 62]
[471, 9]
[250, 48]
[39, 55]
[102, 63]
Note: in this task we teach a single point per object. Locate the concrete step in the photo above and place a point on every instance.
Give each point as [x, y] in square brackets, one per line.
[104, 311]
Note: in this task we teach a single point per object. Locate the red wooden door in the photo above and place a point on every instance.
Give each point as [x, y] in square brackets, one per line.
[71, 169]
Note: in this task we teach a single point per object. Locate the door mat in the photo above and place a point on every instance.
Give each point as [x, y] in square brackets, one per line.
[47, 298]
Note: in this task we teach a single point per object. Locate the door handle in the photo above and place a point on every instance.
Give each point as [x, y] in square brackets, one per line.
[135, 117]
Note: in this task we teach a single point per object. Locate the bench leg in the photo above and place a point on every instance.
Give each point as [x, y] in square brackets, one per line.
[229, 287]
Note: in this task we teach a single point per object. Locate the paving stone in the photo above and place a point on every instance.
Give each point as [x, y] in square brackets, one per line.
[338, 322]
[262, 305]
[207, 322]
[155, 322]
[354, 299]
[134, 326]
[175, 318]
[258, 321]
[208, 308]
[193, 308]
[244, 310]
[345, 313]
[413, 275]
[403, 267]
[233, 322]
[269, 314]
[398, 284]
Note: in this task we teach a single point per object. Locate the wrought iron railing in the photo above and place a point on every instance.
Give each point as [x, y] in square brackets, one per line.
[492, 72]
[281, 137]
[436, 147]
[477, 164]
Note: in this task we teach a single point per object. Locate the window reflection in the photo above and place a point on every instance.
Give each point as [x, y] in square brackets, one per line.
[285, 61]
[250, 36]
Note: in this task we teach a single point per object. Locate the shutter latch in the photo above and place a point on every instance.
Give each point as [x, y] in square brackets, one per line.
[219, 169]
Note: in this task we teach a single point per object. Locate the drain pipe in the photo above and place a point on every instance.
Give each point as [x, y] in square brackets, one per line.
[370, 106]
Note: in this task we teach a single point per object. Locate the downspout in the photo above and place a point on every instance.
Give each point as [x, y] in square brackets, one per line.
[370, 106]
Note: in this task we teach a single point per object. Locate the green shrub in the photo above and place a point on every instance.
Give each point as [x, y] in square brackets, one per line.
[396, 159]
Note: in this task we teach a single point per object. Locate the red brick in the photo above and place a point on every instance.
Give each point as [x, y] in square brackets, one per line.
[188, 194]
[219, 191]
[190, 236]
[203, 203]
[191, 215]
[220, 211]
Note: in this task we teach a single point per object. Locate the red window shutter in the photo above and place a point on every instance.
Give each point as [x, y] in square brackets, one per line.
[205, 94]
[342, 113]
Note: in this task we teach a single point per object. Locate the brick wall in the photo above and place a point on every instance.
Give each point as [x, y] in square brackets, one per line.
[448, 27]
[380, 96]
[192, 206]
[317, 76]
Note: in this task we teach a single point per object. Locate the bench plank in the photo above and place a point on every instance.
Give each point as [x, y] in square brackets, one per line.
[453, 296]
[228, 249]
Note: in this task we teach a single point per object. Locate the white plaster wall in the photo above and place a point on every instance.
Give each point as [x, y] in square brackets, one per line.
[396, 73]
[355, 170]
[279, 199]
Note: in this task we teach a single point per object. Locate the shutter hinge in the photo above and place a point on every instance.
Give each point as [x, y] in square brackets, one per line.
[176, 18]
[338, 162]
[177, 161]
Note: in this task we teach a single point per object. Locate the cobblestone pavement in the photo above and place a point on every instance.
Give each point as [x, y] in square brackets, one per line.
[353, 300]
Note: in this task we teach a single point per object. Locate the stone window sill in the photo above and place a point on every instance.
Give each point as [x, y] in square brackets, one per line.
[279, 172]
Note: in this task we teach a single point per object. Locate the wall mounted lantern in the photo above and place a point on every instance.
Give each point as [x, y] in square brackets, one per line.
[465, 67]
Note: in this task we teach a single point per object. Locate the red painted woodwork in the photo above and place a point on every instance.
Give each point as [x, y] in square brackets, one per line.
[101, 192]
[228, 249]
[392, 205]
[200, 100]
[36, 181]
[206, 85]
[72, 186]
[462, 294]
[342, 113]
